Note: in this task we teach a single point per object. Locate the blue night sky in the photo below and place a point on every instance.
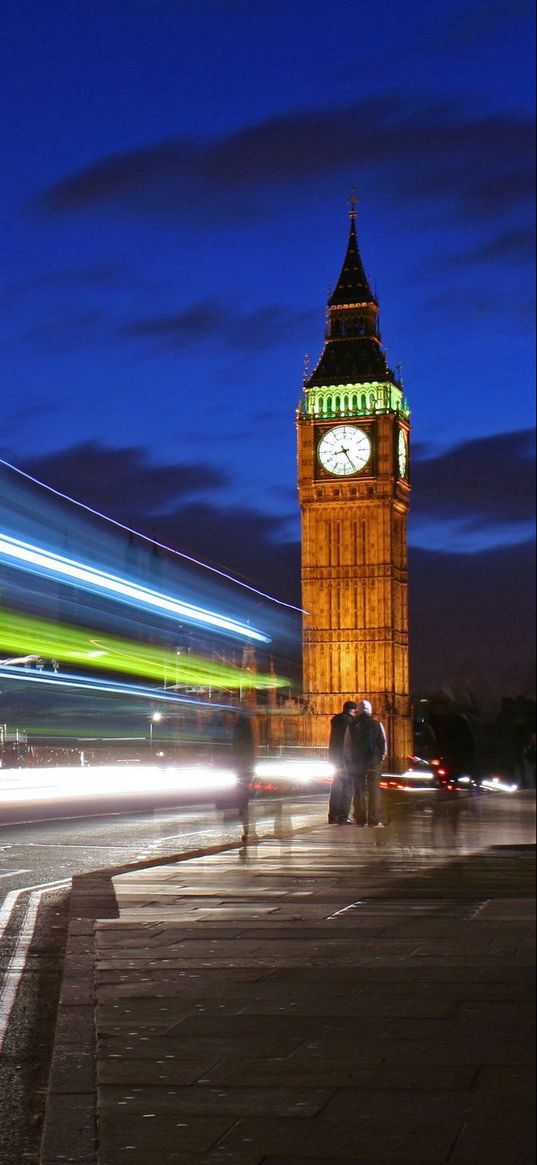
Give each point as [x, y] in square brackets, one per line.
[174, 212]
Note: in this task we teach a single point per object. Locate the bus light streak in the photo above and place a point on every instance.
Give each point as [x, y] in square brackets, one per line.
[38, 560]
[75, 645]
[110, 687]
[144, 538]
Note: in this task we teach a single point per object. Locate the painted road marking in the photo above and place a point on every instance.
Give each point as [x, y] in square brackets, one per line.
[17, 963]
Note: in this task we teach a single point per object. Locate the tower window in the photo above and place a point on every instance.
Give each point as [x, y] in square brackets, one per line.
[362, 327]
[363, 403]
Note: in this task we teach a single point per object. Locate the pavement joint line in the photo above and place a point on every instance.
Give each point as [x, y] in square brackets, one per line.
[480, 906]
[344, 909]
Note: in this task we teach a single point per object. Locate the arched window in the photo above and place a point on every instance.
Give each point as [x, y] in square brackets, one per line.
[337, 404]
[363, 403]
[362, 326]
[345, 404]
[372, 400]
[329, 406]
[355, 404]
[336, 330]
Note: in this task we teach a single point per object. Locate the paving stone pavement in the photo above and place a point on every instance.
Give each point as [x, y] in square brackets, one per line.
[312, 999]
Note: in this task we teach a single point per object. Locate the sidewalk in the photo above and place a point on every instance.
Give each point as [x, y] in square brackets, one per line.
[321, 998]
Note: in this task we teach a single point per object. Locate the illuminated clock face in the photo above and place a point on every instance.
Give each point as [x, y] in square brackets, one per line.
[344, 450]
[402, 453]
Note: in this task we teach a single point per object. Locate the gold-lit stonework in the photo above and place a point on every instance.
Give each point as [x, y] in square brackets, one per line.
[353, 465]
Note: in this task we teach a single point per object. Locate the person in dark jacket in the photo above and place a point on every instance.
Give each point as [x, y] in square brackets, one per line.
[364, 749]
[341, 790]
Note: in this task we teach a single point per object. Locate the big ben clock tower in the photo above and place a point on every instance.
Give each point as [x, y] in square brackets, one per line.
[353, 483]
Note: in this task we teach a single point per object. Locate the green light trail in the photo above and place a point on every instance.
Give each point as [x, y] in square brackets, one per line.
[22, 635]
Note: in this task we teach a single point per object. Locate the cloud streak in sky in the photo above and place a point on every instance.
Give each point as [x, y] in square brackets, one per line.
[122, 482]
[486, 482]
[481, 164]
[211, 321]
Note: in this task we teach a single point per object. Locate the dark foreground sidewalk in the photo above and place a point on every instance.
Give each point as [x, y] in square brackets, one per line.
[312, 999]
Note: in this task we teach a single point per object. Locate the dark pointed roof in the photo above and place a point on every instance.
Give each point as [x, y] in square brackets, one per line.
[352, 285]
[350, 362]
[353, 352]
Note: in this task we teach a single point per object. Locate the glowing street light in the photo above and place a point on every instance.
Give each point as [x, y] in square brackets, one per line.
[156, 717]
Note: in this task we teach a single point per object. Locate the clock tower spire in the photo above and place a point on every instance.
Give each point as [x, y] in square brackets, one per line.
[353, 429]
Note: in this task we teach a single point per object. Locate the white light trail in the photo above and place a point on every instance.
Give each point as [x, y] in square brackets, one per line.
[111, 687]
[101, 782]
[91, 578]
[152, 541]
[301, 771]
[497, 785]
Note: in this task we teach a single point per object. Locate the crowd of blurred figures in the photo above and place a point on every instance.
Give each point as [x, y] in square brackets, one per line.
[467, 741]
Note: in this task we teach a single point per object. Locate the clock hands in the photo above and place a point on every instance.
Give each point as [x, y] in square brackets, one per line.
[346, 452]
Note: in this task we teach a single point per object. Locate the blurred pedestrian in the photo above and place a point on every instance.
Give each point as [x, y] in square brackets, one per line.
[243, 753]
[364, 749]
[341, 789]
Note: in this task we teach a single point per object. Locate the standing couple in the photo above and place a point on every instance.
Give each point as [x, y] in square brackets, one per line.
[357, 749]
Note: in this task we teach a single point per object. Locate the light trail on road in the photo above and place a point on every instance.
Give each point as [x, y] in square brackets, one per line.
[100, 783]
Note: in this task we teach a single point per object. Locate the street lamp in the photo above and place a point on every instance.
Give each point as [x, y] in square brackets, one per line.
[154, 720]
